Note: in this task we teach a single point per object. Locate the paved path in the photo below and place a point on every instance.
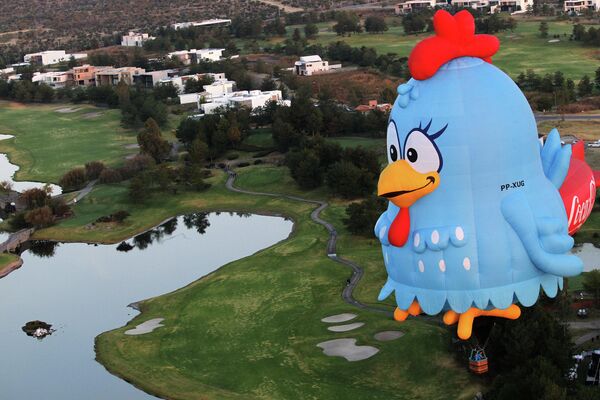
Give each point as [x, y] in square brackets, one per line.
[588, 324]
[567, 117]
[83, 192]
[315, 215]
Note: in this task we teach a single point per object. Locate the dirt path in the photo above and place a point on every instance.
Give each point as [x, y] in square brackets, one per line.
[286, 8]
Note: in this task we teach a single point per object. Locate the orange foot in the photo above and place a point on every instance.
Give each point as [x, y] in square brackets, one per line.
[414, 309]
[465, 320]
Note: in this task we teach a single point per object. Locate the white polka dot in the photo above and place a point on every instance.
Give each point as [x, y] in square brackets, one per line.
[421, 266]
[417, 239]
[435, 237]
[467, 263]
[460, 234]
[382, 232]
[442, 265]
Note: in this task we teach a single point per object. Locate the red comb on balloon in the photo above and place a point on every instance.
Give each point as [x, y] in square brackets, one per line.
[454, 37]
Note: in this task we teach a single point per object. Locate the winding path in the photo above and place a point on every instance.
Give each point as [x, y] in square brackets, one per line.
[315, 215]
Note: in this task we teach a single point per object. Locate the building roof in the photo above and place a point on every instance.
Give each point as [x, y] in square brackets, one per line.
[314, 58]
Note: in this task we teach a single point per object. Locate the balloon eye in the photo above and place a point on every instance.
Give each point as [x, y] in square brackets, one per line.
[393, 153]
[412, 155]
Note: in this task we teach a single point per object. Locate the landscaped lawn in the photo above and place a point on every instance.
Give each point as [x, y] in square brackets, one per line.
[48, 142]
[250, 329]
[7, 258]
[519, 50]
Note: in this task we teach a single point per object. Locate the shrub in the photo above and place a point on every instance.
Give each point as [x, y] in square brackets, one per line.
[243, 164]
[93, 169]
[120, 216]
[233, 156]
[34, 198]
[73, 180]
[362, 216]
[110, 175]
[59, 207]
[40, 217]
[18, 221]
[139, 163]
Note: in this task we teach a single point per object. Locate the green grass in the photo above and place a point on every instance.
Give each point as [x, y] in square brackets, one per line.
[48, 143]
[519, 50]
[7, 258]
[250, 329]
[261, 137]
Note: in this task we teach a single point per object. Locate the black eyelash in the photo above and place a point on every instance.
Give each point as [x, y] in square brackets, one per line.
[426, 129]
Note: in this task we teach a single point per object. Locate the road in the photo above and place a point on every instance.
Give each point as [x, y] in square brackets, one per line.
[567, 117]
[315, 215]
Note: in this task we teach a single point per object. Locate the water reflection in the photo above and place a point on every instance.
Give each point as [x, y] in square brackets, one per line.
[84, 290]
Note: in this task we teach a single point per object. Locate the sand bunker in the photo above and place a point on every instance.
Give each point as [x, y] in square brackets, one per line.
[4, 137]
[346, 328]
[348, 349]
[336, 319]
[132, 146]
[91, 115]
[146, 327]
[553, 40]
[386, 336]
[66, 110]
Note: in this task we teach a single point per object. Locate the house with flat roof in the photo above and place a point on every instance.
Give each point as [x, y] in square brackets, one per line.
[194, 56]
[179, 81]
[373, 105]
[149, 79]
[409, 6]
[50, 57]
[134, 39]
[310, 65]
[112, 76]
[206, 22]
[55, 80]
[85, 75]
[580, 6]
[249, 99]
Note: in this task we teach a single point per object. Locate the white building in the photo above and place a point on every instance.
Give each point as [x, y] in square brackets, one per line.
[219, 88]
[51, 57]
[53, 79]
[179, 81]
[310, 65]
[249, 99]
[134, 39]
[206, 22]
[194, 56]
[504, 5]
[579, 6]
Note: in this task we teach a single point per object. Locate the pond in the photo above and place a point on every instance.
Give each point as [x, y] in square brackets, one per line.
[7, 172]
[83, 290]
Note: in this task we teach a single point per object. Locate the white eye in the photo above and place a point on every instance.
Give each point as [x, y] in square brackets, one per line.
[421, 153]
[393, 147]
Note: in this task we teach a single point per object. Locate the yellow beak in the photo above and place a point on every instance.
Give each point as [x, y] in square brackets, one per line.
[402, 185]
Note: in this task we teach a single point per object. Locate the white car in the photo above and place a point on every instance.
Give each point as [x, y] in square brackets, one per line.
[594, 144]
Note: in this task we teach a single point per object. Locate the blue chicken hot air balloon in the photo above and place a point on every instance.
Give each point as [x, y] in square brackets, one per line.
[475, 223]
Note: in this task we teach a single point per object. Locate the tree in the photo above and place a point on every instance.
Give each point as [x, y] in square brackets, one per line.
[346, 179]
[93, 169]
[152, 143]
[198, 151]
[414, 23]
[34, 198]
[597, 79]
[347, 23]
[40, 217]
[585, 87]
[138, 191]
[363, 215]
[73, 180]
[311, 30]
[375, 24]
[284, 135]
[234, 135]
[543, 29]
[591, 283]
[296, 36]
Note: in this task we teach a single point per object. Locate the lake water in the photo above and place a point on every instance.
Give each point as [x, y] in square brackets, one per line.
[7, 172]
[83, 290]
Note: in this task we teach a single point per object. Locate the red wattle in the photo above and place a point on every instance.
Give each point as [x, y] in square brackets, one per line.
[398, 234]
